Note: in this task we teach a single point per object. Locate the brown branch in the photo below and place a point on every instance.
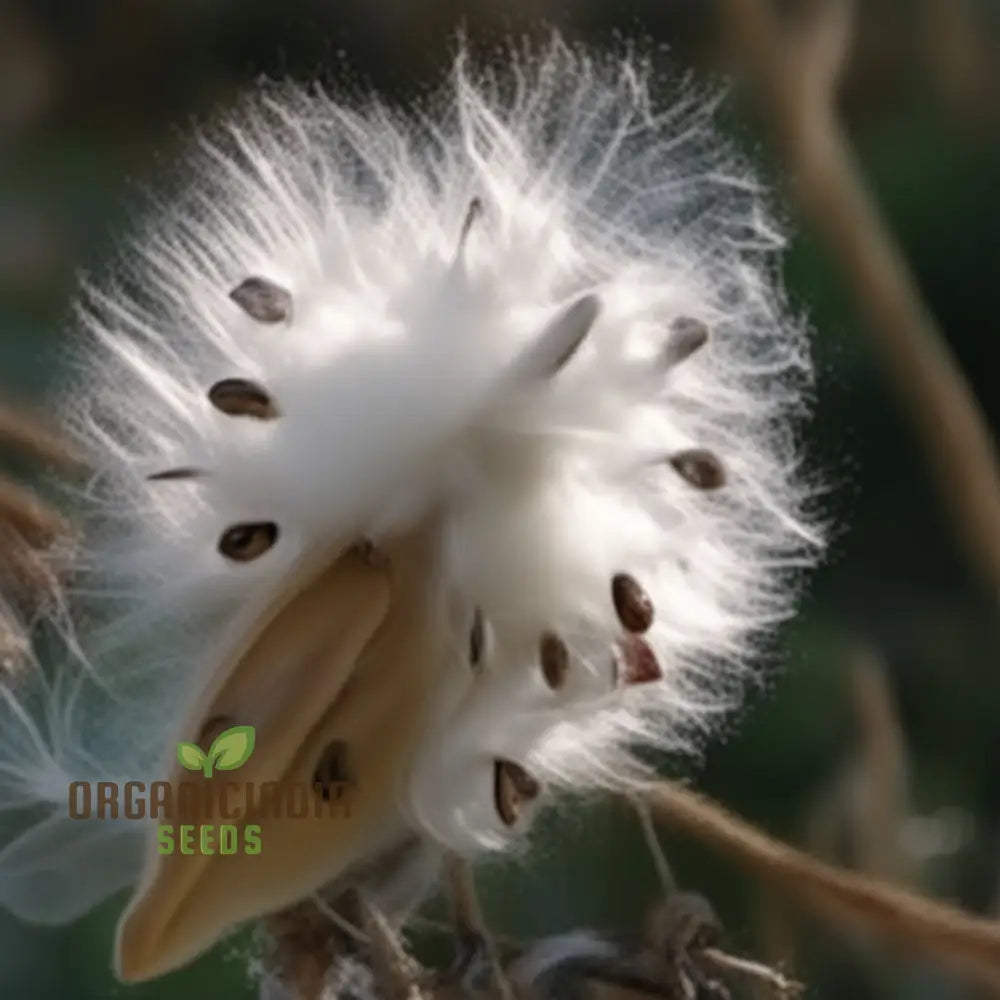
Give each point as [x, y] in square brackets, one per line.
[307, 941]
[883, 803]
[754, 972]
[795, 72]
[933, 931]
[31, 518]
[36, 541]
[302, 950]
[397, 975]
[958, 50]
[28, 435]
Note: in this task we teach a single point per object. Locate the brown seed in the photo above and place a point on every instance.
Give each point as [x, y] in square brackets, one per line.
[211, 729]
[244, 542]
[632, 603]
[239, 397]
[332, 771]
[263, 300]
[687, 336]
[169, 475]
[700, 468]
[477, 637]
[635, 662]
[512, 787]
[554, 658]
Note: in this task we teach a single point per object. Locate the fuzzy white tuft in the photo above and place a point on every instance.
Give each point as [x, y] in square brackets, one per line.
[514, 373]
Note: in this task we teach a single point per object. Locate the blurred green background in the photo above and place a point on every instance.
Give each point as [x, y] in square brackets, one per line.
[96, 94]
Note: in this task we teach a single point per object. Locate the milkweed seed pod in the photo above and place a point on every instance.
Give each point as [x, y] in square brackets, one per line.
[461, 439]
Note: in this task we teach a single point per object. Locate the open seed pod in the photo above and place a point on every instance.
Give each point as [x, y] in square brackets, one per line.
[413, 463]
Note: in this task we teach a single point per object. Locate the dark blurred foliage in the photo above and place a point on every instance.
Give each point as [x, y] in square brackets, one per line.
[96, 94]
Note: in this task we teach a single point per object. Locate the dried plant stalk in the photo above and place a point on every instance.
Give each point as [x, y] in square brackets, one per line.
[753, 972]
[396, 974]
[884, 800]
[933, 931]
[795, 72]
[303, 948]
[470, 926]
[35, 538]
[29, 516]
[28, 435]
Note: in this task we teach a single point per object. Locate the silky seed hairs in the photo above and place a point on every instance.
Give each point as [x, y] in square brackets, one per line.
[453, 448]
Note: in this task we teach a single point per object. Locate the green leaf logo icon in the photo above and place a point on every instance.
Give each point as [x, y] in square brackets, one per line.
[231, 749]
[190, 756]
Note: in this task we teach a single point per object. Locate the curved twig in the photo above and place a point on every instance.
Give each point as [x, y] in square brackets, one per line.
[934, 931]
[795, 71]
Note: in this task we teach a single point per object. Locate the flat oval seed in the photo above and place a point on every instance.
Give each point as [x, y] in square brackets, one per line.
[244, 542]
[554, 658]
[263, 300]
[687, 335]
[632, 603]
[635, 662]
[512, 787]
[700, 468]
[238, 397]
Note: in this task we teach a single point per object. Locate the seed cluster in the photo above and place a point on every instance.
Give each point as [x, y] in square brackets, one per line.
[265, 302]
[537, 407]
[633, 661]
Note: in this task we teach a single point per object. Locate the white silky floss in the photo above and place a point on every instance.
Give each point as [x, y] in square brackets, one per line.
[536, 322]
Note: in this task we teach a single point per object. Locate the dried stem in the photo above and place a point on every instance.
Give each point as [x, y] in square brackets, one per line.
[33, 534]
[968, 945]
[396, 973]
[878, 818]
[303, 950]
[959, 55]
[467, 915]
[29, 436]
[656, 852]
[754, 972]
[795, 71]
[35, 521]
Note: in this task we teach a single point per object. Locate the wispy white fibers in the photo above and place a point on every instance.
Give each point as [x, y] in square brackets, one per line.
[486, 312]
